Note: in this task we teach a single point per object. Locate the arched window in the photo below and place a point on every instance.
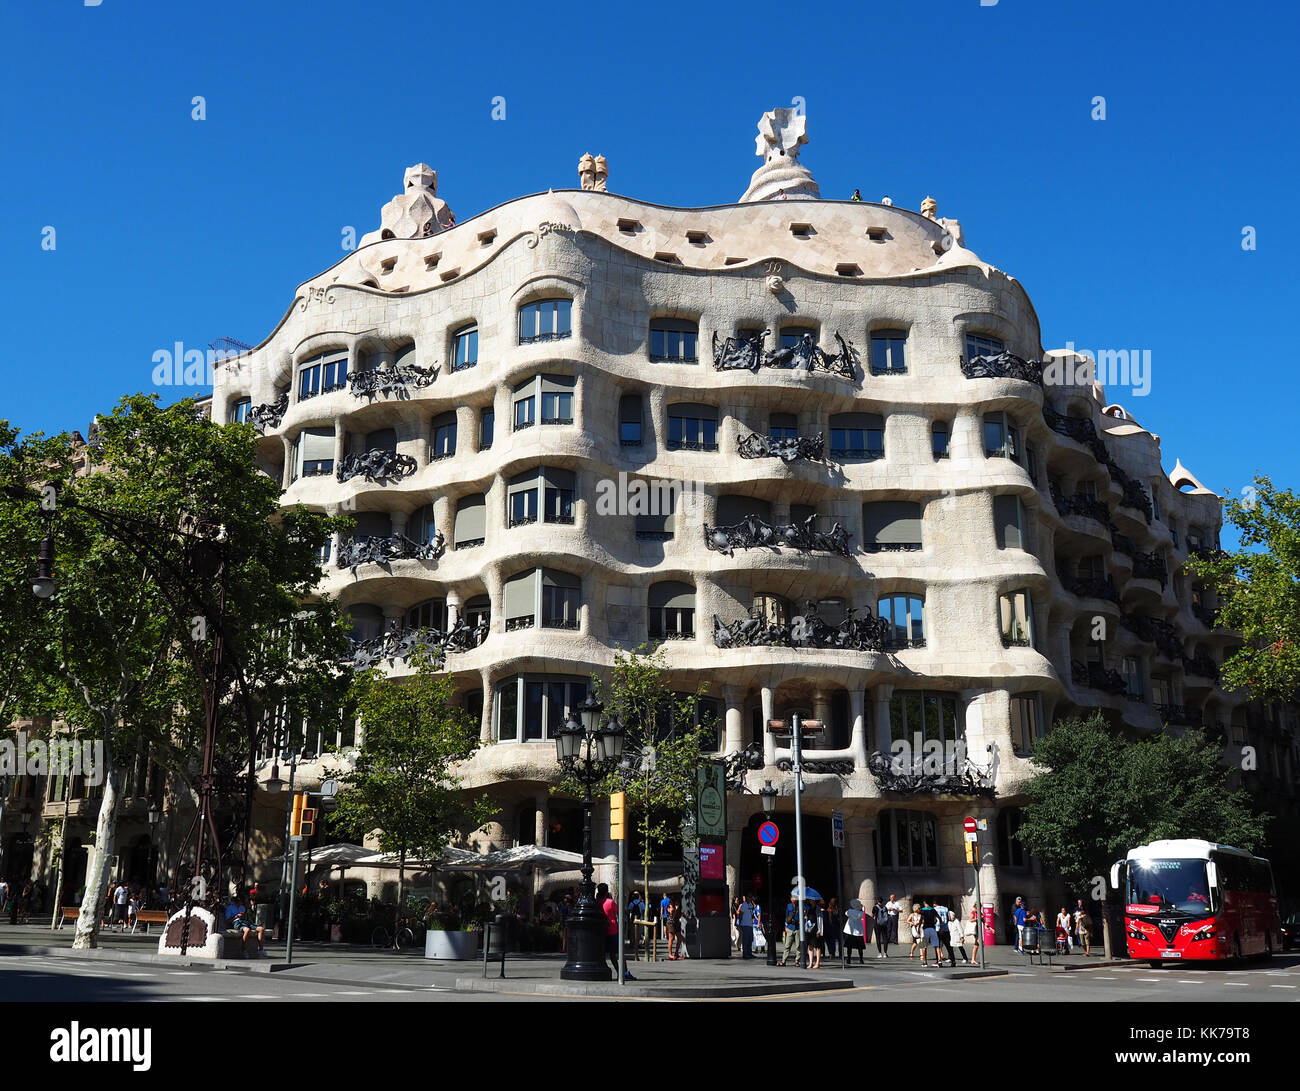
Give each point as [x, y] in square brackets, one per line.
[908, 841]
[464, 348]
[323, 373]
[545, 320]
[906, 616]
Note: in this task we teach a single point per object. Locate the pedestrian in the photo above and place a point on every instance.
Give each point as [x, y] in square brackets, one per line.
[665, 915]
[679, 925]
[790, 938]
[855, 932]
[942, 913]
[856, 196]
[120, 899]
[240, 921]
[814, 926]
[1083, 925]
[956, 938]
[833, 928]
[1018, 915]
[1063, 932]
[914, 930]
[566, 910]
[760, 929]
[609, 907]
[735, 924]
[26, 901]
[929, 933]
[881, 917]
[745, 924]
[4, 893]
[895, 912]
[635, 912]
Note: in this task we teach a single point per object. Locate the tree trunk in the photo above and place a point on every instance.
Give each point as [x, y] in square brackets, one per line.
[401, 888]
[87, 935]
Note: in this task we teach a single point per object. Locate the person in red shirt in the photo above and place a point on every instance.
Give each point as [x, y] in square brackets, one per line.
[609, 907]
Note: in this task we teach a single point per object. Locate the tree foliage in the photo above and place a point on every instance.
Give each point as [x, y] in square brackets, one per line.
[1259, 587]
[1099, 795]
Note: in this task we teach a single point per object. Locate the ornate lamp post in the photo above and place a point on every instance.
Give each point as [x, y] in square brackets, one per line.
[768, 794]
[588, 749]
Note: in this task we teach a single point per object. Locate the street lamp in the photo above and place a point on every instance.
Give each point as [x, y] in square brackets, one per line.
[768, 794]
[43, 584]
[588, 749]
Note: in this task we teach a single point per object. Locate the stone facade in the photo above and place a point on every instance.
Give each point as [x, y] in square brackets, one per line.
[961, 480]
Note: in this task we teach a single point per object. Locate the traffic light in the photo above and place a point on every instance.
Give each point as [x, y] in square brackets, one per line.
[295, 821]
[971, 849]
[617, 808]
[308, 821]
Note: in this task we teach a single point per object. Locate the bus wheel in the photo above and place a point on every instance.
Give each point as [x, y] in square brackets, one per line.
[1155, 964]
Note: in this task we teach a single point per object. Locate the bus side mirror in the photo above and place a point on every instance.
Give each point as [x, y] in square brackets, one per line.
[1212, 874]
[1114, 876]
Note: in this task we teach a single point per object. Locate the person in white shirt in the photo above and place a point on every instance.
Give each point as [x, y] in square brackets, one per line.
[957, 937]
[893, 909]
[119, 906]
[855, 932]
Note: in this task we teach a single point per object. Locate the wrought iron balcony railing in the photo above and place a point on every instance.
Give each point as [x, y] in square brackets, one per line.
[403, 644]
[1096, 676]
[269, 415]
[524, 622]
[1155, 631]
[394, 379]
[746, 354]
[927, 776]
[1176, 714]
[1005, 365]
[860, 631]
[1151, 566]
[1206, 615]
[755, 533]
[1091, 587]
[756, 445]
[1081, 504]
[1202, 665]
[377, 466]
[378, 549]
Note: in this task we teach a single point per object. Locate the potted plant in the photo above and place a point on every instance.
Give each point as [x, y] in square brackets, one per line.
[448, 937]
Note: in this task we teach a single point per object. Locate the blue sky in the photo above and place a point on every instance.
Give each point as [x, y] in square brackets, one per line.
[1127, 232]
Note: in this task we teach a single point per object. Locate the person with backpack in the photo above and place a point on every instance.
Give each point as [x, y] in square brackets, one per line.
[929, 933]
[790, 938]
[855, 933]
[883, 920]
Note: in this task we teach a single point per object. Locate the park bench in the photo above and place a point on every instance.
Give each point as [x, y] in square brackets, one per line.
[148, 917]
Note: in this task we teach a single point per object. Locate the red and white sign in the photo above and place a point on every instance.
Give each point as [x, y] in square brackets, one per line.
[1141, 910]
[969, 825]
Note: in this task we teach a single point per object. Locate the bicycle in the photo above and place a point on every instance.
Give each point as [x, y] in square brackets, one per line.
[408, 933]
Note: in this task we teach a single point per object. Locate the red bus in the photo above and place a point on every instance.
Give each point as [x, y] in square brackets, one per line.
[1197, 900]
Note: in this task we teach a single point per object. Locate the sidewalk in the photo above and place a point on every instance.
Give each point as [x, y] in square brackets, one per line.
[339, 964]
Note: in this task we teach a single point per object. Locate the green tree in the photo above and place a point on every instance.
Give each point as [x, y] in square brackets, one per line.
[653, 715]
[123, 649]
[1098, 795]
[1259, 588]
[404, 783]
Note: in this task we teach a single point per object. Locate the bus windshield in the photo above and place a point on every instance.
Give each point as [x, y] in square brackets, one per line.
[1173, 885]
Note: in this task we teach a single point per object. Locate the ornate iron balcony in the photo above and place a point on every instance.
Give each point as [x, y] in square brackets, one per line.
[960, 777]
[557, 420]
[560, 623]
[746, 354]
[1176, 714]
[739, 353]
[376, 466]
[525, 622]
[537, 338]
[376, 549]
[756, 445]
[522, 520]
[269, 415]
[860, 631]
[395, 379]
[469, 543]
[1080, 504]
[753, 532]
[1005, 365]
[1091, 587]
[1151, 566]
[464, 365]
[1155, 631]
[1201, 664]
[1206, 615]
[1096, 676]
[1122, 543]
[392, 646]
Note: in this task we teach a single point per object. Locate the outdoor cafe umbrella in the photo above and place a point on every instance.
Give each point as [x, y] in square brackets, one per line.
[809, 894]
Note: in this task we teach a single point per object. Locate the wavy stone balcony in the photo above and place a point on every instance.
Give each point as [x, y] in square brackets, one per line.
[1206, 615]
[1091, 587]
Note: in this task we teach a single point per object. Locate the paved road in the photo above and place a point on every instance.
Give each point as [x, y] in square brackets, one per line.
[34, 976]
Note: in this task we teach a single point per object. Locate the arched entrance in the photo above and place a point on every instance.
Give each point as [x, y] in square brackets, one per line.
[818, 859]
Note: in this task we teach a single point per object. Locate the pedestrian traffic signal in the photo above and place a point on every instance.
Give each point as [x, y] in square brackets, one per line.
[970, 852]
[295, 821]
[617, 809]
[308, 821]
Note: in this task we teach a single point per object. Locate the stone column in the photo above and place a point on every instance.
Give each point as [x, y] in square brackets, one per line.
[967, 439]
[990, 893]
[769, 740]
[733, 737]
[540, 818]
[454, 603]
[489, 698]
[657, 419]
[880, 697]
[857, 716]
[859, 859]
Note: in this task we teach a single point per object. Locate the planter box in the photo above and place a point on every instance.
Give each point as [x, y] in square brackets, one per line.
[450, 945]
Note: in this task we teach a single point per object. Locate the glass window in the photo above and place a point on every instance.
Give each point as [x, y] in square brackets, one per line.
[322, 374]
[524, 413]
[979, 345]
[546, 320]
[906, 616]
[891, 526]
[887, 352]
[857, 435]
[1001, 437]
[629, 420]
[1017, 620]
[1132, 677]
[239, 411]
[443, 442]
[782, 426]
[560, 606]
[1011, 853]
[909, 840]
[673, 340]
[486, 426]
[556, 408]
[1026, 721]
[692, 428]
[523, 507]
[559, 505]
[464, 348]
[939, 439]
[671, 611]
[792, 335]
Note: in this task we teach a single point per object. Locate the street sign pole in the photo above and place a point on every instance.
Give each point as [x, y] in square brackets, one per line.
[293, 899]
[622, 913]
[972, 839]
[798, 835]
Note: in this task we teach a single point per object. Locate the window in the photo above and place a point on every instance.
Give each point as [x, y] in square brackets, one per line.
[522, 500]
[442, 443]
[908, 840]
[464, 348]
[1031, 463]
[931, 715]
[939, 438]
[770, 609]
[487, 420]
[887, 356]
[1173, 531]
[1001, 437]
[525, 416]
[792, 335]
[979, 345]
[857, 435]
[629, 420]
[365, 622]
[1132, 678]
[906, 616]
[477, 609]
[1161, 692]
[1008, 521]
[557, 408]
[692, 427]
[552, 490]
[470, 527]
[321, 374]
[733, 509]
[430, 614]
[1026, 721]
[1155, 503]
[421, 527]
[239, 411]
[1011, 853]
[782, 426]
[532, 708]
[1017, 621]
[314, 453]
[673, 340]
[559, 498]
[671, 611]
[891, 525]
[655, 516]
[557, 595]
[546, 320]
